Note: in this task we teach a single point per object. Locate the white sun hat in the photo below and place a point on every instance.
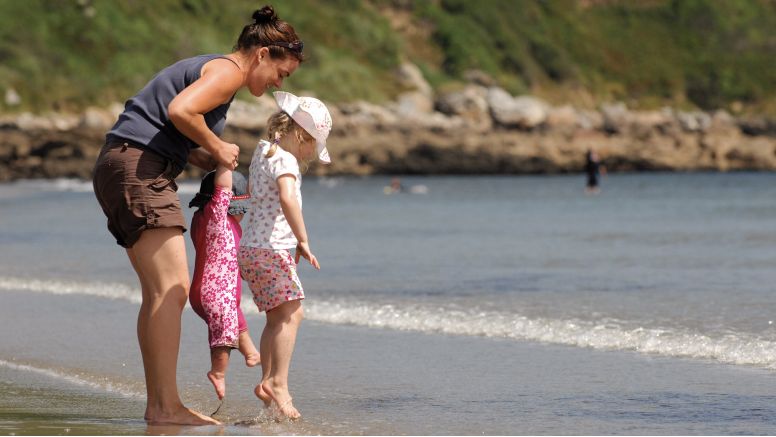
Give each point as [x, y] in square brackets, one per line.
[311, 114]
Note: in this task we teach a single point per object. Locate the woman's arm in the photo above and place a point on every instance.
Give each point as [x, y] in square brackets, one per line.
[219, 81]
[293, 213]
[202, 159]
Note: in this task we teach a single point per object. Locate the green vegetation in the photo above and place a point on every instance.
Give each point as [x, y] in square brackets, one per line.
[68, 54]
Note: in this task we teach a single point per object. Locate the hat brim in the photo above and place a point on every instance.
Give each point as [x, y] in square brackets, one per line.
[323, 152]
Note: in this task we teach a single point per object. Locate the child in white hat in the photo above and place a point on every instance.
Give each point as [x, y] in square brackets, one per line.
[273, 227]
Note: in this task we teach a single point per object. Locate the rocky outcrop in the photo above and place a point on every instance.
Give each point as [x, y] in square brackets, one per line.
[476, 130]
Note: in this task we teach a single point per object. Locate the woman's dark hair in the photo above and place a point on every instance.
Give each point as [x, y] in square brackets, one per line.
[267, 30]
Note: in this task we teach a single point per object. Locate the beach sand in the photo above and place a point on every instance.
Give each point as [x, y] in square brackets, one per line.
[70, 365]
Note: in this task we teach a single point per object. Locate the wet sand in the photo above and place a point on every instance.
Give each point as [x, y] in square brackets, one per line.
[353, 380]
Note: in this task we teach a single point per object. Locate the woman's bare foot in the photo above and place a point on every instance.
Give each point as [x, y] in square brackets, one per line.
[282, 399]
[263, 396]
[219, 383]
[181, 416]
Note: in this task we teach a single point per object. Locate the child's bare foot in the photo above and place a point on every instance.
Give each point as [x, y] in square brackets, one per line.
[181, 416]
[282, 399]
[263, 396]
[251, 360]
[219, 383]
[248, 349]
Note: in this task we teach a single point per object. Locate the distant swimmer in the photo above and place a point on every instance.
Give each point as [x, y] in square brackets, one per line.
[594, 170]
[395, 187]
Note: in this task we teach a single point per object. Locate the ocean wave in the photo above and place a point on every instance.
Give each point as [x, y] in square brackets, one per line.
[85, 186]
[106, 290]
[741, 349]
[79, 379]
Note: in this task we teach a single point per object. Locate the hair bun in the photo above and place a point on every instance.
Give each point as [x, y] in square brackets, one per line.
[265, 15]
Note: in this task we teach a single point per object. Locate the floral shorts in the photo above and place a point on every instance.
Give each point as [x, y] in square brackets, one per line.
[271, 275]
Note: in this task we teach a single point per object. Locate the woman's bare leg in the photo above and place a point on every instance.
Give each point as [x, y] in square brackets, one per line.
[282, 325]
[159, 258]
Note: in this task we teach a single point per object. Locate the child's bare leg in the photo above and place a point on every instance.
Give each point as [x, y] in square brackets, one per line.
[248, 349]
[266, 365]
[219, 360]
[282, 323]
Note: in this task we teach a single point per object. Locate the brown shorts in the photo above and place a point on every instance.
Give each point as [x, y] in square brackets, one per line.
[137, 191]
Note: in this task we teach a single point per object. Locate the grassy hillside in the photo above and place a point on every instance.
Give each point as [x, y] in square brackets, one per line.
[67, 54]
[705, 53]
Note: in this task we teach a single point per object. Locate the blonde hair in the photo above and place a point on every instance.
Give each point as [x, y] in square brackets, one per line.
[278, 125]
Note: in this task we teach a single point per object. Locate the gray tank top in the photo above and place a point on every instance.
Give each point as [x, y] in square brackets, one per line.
[145, 120]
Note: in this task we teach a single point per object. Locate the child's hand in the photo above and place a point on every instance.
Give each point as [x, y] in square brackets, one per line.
[303, 249]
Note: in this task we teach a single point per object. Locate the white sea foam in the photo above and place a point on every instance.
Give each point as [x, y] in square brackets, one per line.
[106, 290]
[79, 379]
[58, 184]
[743, 348]
[734, 349]
[82, 186]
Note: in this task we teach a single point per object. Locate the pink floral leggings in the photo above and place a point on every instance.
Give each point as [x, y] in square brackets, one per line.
[218, 301]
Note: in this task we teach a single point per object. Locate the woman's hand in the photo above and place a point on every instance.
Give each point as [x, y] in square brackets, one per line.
[227, 155]
[303, 250]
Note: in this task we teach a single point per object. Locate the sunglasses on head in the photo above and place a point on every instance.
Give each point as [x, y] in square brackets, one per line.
[296, 46]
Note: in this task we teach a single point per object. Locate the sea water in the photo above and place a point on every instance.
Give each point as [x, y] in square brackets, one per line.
[506, 305]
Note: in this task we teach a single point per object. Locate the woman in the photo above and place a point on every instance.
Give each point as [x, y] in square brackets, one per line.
[177, 118]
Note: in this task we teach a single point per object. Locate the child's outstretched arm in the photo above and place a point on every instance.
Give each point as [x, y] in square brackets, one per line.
[223, 177]
[293, 213]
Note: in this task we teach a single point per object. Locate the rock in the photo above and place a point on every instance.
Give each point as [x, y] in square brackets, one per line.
[722, 122]
[411, 78]
[369, 138]
[251, 115]
[97, 119]
[12, 98]
[470, 104]
[693, 121]
[563, 118]
[757, 126]
[523, 111]
[590, 120]
[27, 121]
[365, 113]
[479, 77]
[615, 116]
[413, 104]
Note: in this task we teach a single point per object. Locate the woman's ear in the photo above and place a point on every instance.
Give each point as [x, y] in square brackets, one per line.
[261, 53]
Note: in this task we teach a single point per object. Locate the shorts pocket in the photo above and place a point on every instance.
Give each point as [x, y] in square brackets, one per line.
[165, 179]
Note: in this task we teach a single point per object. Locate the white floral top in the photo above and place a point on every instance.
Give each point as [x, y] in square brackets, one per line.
[265, 226]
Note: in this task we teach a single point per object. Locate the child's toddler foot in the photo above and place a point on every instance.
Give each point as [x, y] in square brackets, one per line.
[248, 349]
[251, 360]
[219, 383]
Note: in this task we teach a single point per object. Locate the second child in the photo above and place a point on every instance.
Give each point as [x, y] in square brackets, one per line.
[217, 286]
